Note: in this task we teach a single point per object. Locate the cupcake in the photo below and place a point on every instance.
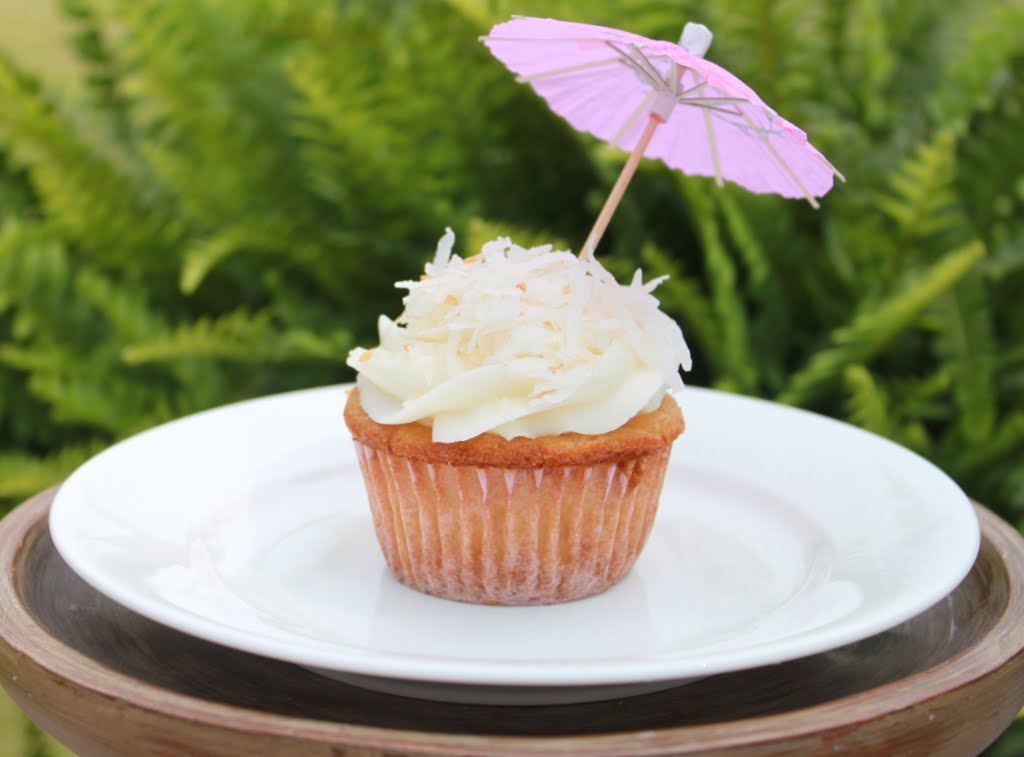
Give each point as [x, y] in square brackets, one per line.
[514, 425]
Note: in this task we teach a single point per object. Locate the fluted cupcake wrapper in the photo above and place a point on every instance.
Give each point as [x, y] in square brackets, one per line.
[511, 536]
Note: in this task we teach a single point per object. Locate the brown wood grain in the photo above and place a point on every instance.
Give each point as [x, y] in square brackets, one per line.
[106, 681]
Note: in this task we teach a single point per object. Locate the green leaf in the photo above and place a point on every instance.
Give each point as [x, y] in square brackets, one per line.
[206, 254]
[681, 296]
[1004, 444]
[872, 330]
[868, 62]
[867, 405]
[967, 342]
[125, 308]
[22, 474]
[726, 299]
[971, 73]
[766, 290]
[239, 336]
[923, 202]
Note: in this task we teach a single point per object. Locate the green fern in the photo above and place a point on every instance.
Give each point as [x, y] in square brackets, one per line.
[982, 53]
[923, 201]
[238, 336]
[967, 343]
[69, 171]
[871, 407]
[126, 311]
[726, 299]
[872, 330]
[206, 254]
[22, 475]
[868, 62]
[682, 295]
[103, 71]
[1004, 444]
[989, 184]
[924, 397]
[868, 404]
[766, 293]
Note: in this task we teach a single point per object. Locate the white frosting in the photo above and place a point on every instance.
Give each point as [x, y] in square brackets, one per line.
[520, 342]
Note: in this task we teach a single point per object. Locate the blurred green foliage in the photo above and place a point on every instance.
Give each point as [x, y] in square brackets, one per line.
[223, 212]
[221, 209]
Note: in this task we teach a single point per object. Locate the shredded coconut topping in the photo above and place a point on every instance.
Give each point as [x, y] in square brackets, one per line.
[520, 342]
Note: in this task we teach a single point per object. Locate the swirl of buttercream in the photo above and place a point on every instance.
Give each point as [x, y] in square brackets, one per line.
[520, 342]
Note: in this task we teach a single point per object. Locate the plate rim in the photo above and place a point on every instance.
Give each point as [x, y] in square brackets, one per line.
[509, 673]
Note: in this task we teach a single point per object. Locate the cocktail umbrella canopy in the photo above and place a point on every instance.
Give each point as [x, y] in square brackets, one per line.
[622, 87]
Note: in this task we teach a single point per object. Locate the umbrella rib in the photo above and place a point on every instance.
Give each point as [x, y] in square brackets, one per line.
[711, 108]
[567, 70]
[631, 121]
[833, 169]
[644, 62]
[708, 100]
[713, 144]
[629, 61]
[535, 40]
[775, 154]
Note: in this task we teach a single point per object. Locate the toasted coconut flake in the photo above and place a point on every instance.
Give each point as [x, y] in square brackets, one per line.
[552, 331]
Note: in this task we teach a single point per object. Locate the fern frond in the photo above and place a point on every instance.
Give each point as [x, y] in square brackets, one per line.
[867, 404]
[239, 336]
[107, 403]
[771, 321]
[103, 207]
[872, 330]
[967, 342]
[988, 180]
[922, 201]
[33, 359]
[681, 296]
[35, 270]
[870, 406]
[103, 71]
[726, 301]
[923, 398]
[971, 74]
[22, 474]
[1005, 443]
[125, 308]
[16, 196]
[868, 61]
[205, 254]
[748, 244]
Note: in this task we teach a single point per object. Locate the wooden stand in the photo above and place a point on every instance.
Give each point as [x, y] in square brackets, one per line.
[106, 681]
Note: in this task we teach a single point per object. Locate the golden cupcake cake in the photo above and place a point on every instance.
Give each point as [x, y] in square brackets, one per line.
[514, 425]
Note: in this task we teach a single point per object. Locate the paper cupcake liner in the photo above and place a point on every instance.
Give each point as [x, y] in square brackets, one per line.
[511, 536]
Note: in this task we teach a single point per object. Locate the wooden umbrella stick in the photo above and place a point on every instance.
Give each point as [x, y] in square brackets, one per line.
[653, 122]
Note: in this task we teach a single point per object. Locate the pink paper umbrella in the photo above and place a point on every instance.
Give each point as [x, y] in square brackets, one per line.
[622, 87]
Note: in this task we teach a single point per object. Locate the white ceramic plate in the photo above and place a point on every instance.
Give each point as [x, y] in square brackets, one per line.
[780, 534]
